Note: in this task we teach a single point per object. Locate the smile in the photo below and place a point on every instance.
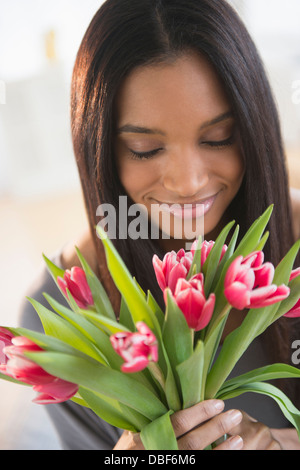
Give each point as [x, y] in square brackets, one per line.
[189, 210]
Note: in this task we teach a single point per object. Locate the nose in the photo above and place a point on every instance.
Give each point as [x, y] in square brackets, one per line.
[186, 174]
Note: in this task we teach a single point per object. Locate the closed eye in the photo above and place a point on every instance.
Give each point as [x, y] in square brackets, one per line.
[220, 143]
[144, 155]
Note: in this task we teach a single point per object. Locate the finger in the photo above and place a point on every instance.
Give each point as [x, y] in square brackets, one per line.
[233, 443]
[210, 431]
[184, 421]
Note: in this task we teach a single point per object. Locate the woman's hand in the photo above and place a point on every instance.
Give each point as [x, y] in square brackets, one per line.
[255, 435]
[196, 428]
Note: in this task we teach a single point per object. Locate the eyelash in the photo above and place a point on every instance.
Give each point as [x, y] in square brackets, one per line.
[144, 155]
[217, 145]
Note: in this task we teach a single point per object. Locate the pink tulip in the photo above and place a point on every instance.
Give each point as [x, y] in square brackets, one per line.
[51, 389]
[75, 281]
[190, 298]
[295, 311]
[248, 283]
[171, 268]
[137, 349]
[5, 340]
[206, 248]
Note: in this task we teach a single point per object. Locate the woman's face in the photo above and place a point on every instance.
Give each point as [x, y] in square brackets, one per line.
[175, 142]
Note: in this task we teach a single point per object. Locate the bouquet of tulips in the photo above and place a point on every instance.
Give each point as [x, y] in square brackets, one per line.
[135, 372]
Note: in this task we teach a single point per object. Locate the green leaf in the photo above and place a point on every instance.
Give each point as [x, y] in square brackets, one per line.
[171, 389]
[254, 324]
[228, 254]
[284, 268]
[196, 263]
[190, 374]
[101, 299]
[54, 270]
[92, 375]
[211, 264]
[59, 328]
[93, 333]
[159, 434]
[11, 379]
[287, 304]
[177, 336]
[125, 318]
[289, 410]
[160, 315]
[262, 374]
[248, 244]
[114, 412]
[48, 343]
[261, 244]
[106, 324]
[253, 236]
[128, 288]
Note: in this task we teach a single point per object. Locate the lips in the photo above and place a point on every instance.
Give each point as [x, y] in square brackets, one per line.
[189, 209]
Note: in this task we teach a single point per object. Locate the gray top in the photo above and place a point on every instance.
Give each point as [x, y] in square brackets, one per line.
[80, 429]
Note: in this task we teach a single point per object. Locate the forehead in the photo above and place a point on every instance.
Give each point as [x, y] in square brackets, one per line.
[186, 87]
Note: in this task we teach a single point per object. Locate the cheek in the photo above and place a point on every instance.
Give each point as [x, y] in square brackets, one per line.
[232, 168]
[136, 177]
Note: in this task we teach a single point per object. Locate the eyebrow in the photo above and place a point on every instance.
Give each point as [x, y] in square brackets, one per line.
[129, 128]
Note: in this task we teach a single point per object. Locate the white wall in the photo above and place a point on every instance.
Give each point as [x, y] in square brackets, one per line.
[35, 147]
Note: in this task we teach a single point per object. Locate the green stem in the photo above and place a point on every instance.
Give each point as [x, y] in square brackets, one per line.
[156, 372]
[212, 341]
[211, 327]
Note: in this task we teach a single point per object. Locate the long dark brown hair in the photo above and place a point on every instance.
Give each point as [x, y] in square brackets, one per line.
[125, 34]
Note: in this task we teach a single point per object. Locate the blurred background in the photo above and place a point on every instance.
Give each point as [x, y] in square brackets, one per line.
[41, 206]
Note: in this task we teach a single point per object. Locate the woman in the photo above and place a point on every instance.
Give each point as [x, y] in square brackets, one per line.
[170, 104]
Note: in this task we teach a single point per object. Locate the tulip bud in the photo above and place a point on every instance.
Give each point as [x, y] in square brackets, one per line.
[206, 248]
[190, 298]
[14, 364]
[75, 281]
[137, 349]
[171, 268]
[248, 283]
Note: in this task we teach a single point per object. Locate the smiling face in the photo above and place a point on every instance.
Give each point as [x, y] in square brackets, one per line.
[176, 142]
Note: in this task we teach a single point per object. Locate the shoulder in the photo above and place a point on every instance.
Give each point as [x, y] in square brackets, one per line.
[295, 201]
[43, 281]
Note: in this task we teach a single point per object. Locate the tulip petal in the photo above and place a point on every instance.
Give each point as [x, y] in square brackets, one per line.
[191, 303]
[233, 271]
[207, 312]
[264, 275]
[157, 264]
[280, 293]
[295, 273]
[135, 365]
[246, 276]
[177, 272]
[79, 277]
[260, 294]
[294, 312]
[58, 389]
[237, 295]
[254, 259]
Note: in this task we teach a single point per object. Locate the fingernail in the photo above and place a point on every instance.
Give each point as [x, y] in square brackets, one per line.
[219, 405]
[235, 416]
[236, 442]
